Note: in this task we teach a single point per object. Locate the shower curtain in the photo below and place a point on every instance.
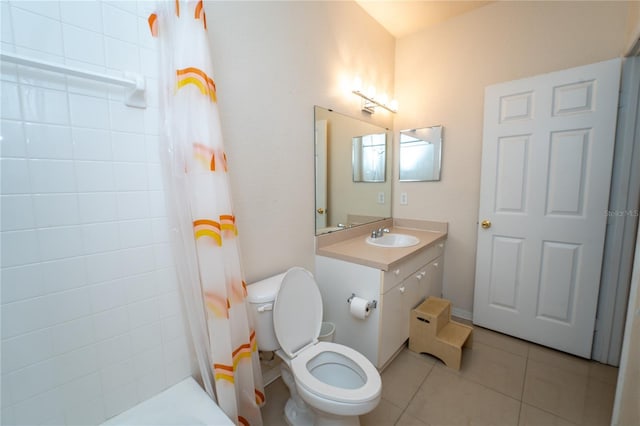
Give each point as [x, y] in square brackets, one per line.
[202, 224]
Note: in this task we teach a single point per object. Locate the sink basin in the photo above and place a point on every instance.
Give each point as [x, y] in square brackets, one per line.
[394, 240]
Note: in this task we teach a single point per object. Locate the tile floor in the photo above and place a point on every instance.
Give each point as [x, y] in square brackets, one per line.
[502, 381]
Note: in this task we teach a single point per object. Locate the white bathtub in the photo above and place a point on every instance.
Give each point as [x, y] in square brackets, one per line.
[183, 404]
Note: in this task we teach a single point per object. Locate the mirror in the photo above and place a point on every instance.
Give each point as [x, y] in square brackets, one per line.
[353, 182]
[368, 158]
[420, 154]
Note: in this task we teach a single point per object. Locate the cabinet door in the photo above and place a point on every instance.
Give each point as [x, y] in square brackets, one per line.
[394, 324]
[434, 272]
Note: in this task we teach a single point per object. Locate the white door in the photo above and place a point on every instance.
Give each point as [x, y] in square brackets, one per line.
[321, 174]
[546, 168]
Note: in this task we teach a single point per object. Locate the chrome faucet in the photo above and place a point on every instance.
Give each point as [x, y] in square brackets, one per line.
[378, 233]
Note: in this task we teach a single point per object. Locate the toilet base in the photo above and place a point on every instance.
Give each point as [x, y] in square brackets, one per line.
[327, 419]
[296, 417]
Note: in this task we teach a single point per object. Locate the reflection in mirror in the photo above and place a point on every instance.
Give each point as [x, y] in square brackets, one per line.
[420, 154]
[342, 202]
[369, 158]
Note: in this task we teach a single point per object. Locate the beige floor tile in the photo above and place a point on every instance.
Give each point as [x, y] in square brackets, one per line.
[599, 402]
[556, 390]
[559, 359]
[448, 399]
[532, 416]
[402, 378]
[604, 373]
[494, 368]
[408, 420]
[277, 395]
[385, 414]
[500, 341]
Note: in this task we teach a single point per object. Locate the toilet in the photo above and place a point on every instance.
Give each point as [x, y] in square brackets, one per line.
[329, 383]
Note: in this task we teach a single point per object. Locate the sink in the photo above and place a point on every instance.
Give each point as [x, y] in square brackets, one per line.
[394, 240]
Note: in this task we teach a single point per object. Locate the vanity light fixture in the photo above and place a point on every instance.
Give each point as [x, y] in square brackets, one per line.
[370, 101]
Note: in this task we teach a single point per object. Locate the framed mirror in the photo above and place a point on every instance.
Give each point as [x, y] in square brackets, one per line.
[420, 154]
[349, 192]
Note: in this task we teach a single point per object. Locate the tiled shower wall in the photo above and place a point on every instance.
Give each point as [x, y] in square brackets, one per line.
[92, 320]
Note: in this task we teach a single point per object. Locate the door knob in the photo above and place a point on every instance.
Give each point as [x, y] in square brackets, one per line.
[320, 210]
[486, 224]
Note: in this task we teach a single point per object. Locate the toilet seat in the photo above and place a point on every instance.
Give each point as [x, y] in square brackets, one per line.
[342, 355]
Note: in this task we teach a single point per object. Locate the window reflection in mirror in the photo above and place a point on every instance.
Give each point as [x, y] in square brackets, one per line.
[420, 154]
[369, 157]
[341, 202]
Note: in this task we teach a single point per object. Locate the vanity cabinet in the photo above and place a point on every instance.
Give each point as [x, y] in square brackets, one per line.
[397, 291]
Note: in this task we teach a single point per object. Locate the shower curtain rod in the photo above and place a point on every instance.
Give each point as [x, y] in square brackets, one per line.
[134, 82]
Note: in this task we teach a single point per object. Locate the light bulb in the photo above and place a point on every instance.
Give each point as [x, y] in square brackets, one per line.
[383, 99]
[393, 105]
[371, 92]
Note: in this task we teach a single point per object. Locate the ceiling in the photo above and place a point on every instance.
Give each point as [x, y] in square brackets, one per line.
[402, 17]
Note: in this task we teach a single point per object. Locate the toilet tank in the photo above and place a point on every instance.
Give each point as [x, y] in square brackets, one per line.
[261, 296]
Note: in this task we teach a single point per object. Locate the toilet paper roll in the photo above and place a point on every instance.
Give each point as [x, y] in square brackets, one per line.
[359, 307]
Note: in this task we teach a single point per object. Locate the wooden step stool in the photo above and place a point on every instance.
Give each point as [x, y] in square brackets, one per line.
[433, 332]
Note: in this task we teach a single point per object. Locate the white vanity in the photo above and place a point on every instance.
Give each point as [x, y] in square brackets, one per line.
[397, 278]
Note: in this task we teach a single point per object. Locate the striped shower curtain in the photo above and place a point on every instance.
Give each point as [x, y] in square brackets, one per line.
[203, 226]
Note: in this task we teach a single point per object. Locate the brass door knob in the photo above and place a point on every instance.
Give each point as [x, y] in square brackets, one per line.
[320, 210]
[486, 224]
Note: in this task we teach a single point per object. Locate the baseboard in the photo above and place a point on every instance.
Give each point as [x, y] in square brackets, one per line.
[461, 313]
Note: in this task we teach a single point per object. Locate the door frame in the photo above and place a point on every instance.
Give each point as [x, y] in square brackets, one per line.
[622, 220]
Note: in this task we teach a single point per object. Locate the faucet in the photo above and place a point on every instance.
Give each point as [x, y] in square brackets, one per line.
[378, 233]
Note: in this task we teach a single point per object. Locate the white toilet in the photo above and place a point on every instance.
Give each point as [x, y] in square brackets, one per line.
[330, 384]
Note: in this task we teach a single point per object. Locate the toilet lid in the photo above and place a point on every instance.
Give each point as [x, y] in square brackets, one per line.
[297, 311]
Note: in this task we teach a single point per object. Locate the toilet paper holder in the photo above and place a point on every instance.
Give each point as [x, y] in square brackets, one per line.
[372, 304]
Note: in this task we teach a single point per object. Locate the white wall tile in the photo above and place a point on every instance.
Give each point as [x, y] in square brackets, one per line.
[56, 209]
[50, 9]
[95, 176]
[86, 413]
[143, 313]
[157, 204]
[98, 207]
[10, 101]
[13, 142]
[100, 237]
[48, 37]
[111, 323]
[119, 23]
[26, 349]
[14, 173]
[121, 56]
[68, 305]
[169, 304]
[151, 122]
[72, 335]
[91, 144]
[163, 255]
[146, 338]
[154, 172]
[16, 212]
[75, 364]
[150, 385]
[137, 260]
[130, 176]
[140, 287]
[103, 267]
[149, 62]
[32, 380]
[120, 399]
[64, 274]
[49, 176]
[152, 148]
[38, 409]
[160, 227]
[84, 14]
[83, 45]
[128, 147]
[19, 248]
[38, 77]
[127, 119]
[151, 360]
[86, 388]
[116, 349]
[89, 111]
[48, 141]
[135, 233]
[22, 282]
[44, 105]
[108, 295]
[132, 205]
[60, 243]
[118, 374]
[6, 29]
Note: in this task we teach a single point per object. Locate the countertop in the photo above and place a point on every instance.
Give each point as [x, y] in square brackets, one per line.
[354, 248]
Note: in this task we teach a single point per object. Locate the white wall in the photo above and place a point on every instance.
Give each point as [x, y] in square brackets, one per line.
[450, 65]
[273, 61]
[91, 315]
